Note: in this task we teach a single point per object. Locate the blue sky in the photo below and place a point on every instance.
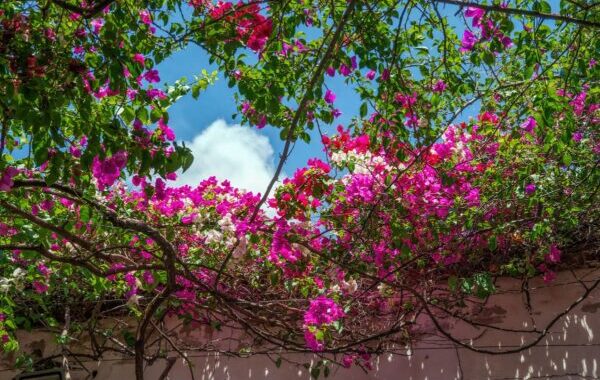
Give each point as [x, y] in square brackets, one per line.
[190, 118]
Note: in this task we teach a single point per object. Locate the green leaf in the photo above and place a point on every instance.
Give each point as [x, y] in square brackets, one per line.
[363, 110]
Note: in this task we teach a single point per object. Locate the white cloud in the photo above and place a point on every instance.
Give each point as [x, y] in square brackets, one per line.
[230, 152]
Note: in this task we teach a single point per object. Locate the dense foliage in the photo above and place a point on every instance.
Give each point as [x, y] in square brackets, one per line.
[408, 212]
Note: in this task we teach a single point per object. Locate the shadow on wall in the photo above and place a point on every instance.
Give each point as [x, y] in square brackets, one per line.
[570, 350]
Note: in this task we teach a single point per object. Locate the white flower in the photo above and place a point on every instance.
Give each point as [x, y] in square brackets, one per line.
[226, 223]
[213, 236]
[350, 286]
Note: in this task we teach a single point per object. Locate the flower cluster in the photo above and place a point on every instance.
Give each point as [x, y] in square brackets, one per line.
[321, 312]
[489, 30]
[107, 171]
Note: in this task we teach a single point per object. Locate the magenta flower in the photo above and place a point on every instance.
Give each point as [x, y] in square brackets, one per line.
[347, 360]
[345, 70]
[476, 13]
[549, 275]
[139, 58]
[577, 136]
[152, 76]
[473, 198]
[39, 287]
[165, 130]
[371, 75]
[131, 94]
[75, 151]
[107, 171]
[506, 41]
[97, 24]
[468, 41]
[530, 188]
[261, 122]
[329, 96]
[440, 86]
[6, 180]
[312, 342]
[553, 255]
[529, 124]
[322, 311]
[189, 219]
[50, 34]
[148, 278]
[43, 269]
[385, 75]
[285, 49]
[145, 17]
[155, 93]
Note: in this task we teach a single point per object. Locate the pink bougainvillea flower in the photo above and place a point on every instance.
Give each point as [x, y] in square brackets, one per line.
[329, 96]
[506, 41]
[166, 131]
[439, 86]
[285, 49]
[189, 219]
[476, 13]
[468, 41]
[529, 124]
[262, 122]
[107, 171]
[322, 311]
[385, 75]
[155, 93]
[549, 275]
[218, 10]
[260, 29]
[312, 342]
[152, 76]
[145, 17]
[50, 34]
[75, 151]
[39, 287]
[97, 25]
[347, 360]
[6, 180]
[139, 58]
[472, 198]
[553, 255]
[530, 188]
[577, 136]
[345, 70]
[370, 75]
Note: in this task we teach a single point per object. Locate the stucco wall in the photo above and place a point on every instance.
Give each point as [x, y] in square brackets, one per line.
[571, 350]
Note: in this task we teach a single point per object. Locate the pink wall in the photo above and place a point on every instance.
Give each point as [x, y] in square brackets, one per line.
[570, 350]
